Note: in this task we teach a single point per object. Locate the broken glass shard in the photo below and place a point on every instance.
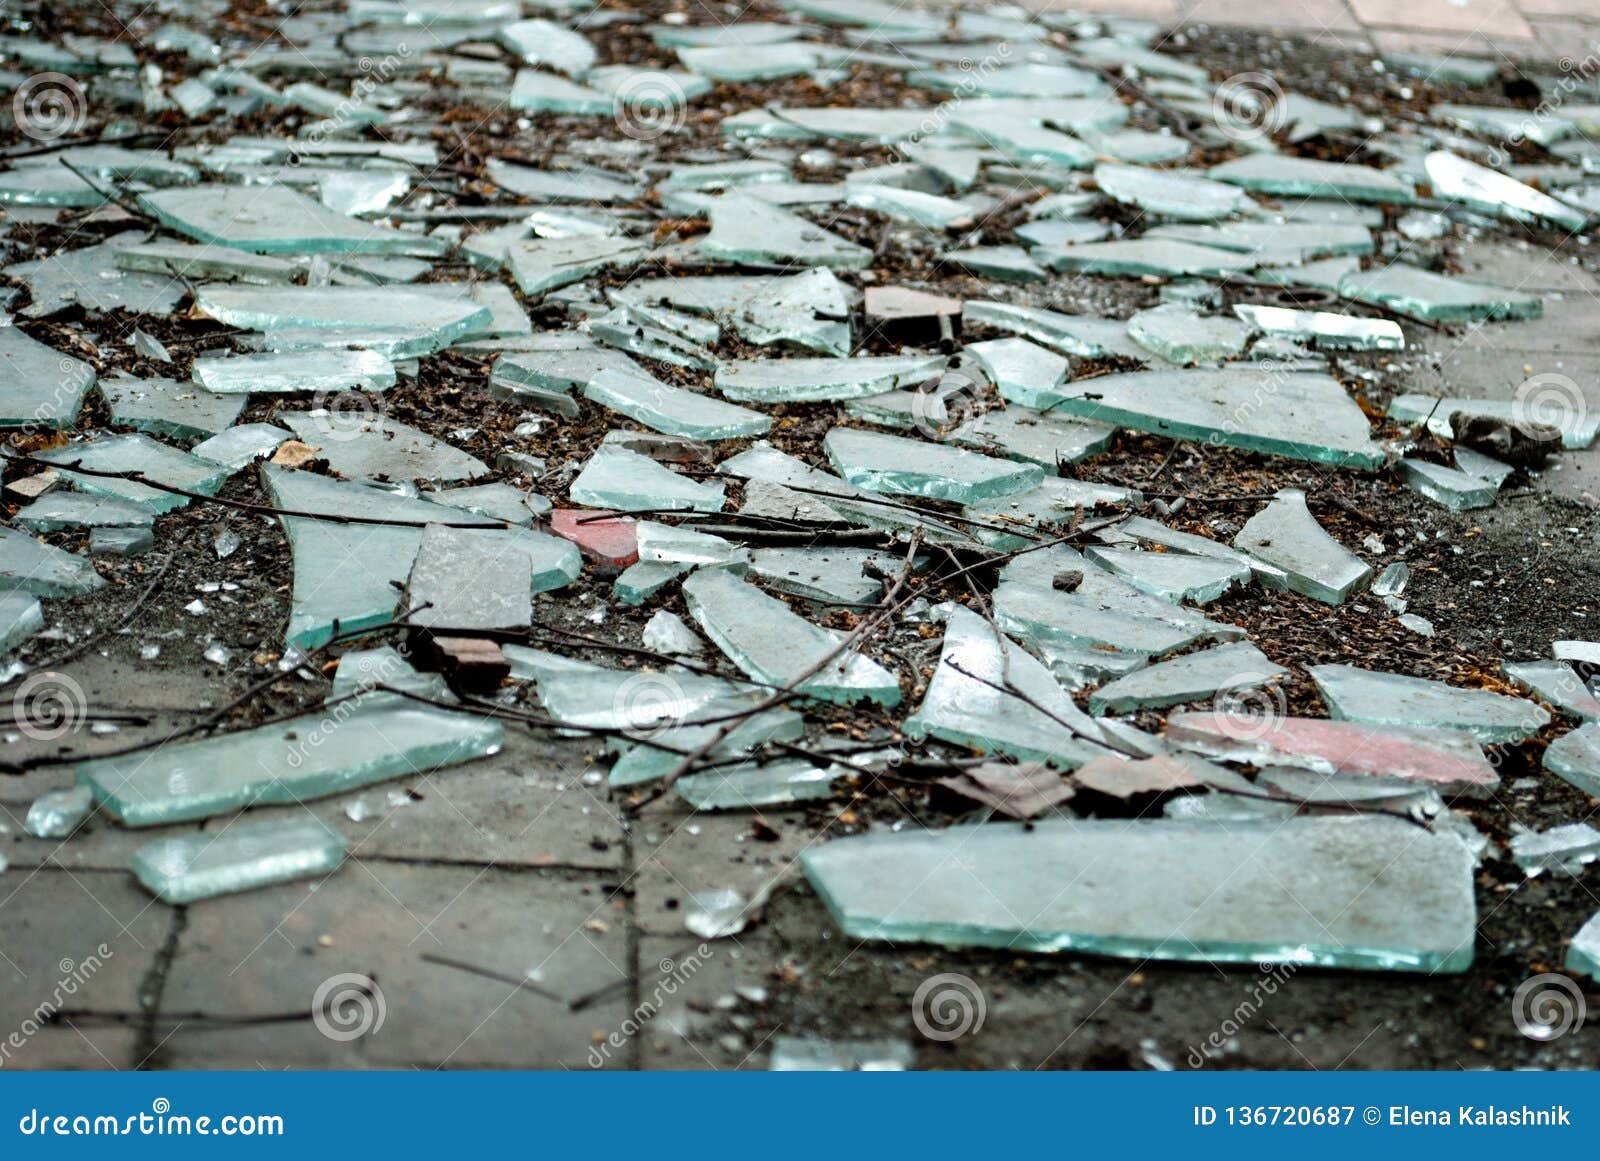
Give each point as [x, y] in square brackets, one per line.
[548, 43]
[666, 632]
[1287, 536]
[1173, 576]
[496, 501]
[1021, 371]
[626, 481]
[275, 219]
[753, 785]
[830, 576]
[1303, 416]
[55, 814]
[39, 385]
[667, 544]
[1171, 193]
[1446, 485]
[817, 380]
[908, 205]
[1003, 263]
[1148, 256]
[1181, 336]
[1274, 173]
[1422, 294]
[1370, 893]
[1137, 529]
[1332, 331]
[539, 92]
[1567, 849]
[389, 308]
[1086, 336]
[991, 695]
[1457, 179]
[1272, 243]
[282, 372]
[771, 643]
[362, 445]
[88, 278]
[466, 579]
[1557, 683]
[1361, 695]
[1041, 437]
[156, 462]
[60, 509]
[671, 743]
[288, 762]
[673, 410]
[42, 569]
[542, 264]
[1575, 757]
[1450, 761]
[20, 618]
[899, 466]
[168, 408]
[238, 446]
[242, 857]
[1238, 669]
[747, 230]
[1578, 428]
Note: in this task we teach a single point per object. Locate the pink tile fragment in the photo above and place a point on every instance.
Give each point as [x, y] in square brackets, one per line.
[602, 536]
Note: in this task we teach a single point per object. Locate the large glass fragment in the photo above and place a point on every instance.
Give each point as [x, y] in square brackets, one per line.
[626, 481]
[896, 465]
[282, 372]
[1171, 193]
[293, 761]
[1275, 173]
[1287, 536]
[771, 643]
[674, 410]
[816, 380]
[990, 694]
[1238, 667]
[154, 461]
[1173, 576]
[1333, 331]
[1559, 684]
[39, 385]
[275, 219]
[166, 407]
[1303, 416]
[1181, 336]
[242, 857]
[1392, 699]
[364, 446]
[390, 308]
[44, 570]
[1372, 893]
[1575, 758]
[747, 230]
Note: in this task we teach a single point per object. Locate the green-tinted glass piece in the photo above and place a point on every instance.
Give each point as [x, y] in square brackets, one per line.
[672, 743]
[1273, 243]
[1041, 437]
[42, 569]
[539, 92]
[1361, 695]
[1302, 416]
[1086, 336]
[1437, 297]
[1004, 263]
[1341, 332]
[644, 579]
[56, 510]
[746, 229]
[138, 453]
[286, 372]
[276, 219]
[1148, 256]
[1237, 666]
[1583, 954]
[242, 857]
[909, 205]
[753, 785]
[1181, 336]
[390, 308]
[1172, 576]
[771, 643]
[1275, 173]
[1578, 427]
[542, 264]
[293, 761]
[39, 385]
[168, 408]
[973, 699]
[899, 466]
[373, 447]
[1287, 536]
[816, 380]
[1449, 486]
[238, 446]
[1559, 684]
[625, 481]
[1575, 757]
[1172, 193]
[830, 576]
[674, 410]
[20, 618]
[1370, 893]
